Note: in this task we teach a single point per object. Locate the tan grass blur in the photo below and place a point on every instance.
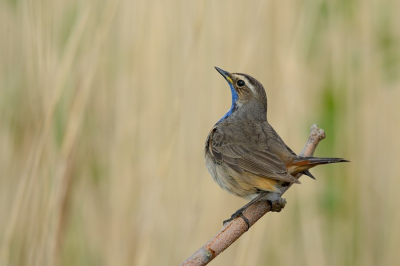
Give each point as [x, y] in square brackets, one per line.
[105, 106]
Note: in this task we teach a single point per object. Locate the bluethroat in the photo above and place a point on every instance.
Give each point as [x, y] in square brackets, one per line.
[243, 152]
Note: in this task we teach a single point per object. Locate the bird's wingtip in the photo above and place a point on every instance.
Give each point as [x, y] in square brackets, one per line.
[308, 173]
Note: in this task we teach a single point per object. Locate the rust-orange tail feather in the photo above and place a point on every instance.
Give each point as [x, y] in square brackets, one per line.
[302, 164]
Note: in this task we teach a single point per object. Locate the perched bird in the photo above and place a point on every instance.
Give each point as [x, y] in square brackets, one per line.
[243, 152]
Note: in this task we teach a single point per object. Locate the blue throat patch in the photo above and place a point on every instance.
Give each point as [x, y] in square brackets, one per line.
[235, 98]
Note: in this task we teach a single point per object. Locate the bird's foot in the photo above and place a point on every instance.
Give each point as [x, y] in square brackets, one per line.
[233, 216]
[240, 213]
[241, 210]
[227, 221]
[237, 214]
[277, 204]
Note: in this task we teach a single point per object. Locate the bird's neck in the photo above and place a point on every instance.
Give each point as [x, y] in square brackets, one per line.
[253, 111]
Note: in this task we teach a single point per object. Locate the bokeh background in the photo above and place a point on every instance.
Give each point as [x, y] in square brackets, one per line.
[105, 107]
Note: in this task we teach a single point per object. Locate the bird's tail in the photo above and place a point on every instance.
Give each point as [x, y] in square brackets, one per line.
[313, 161]
[300, 164]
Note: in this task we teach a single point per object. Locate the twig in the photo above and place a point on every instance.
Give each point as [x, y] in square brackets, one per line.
[233, 230]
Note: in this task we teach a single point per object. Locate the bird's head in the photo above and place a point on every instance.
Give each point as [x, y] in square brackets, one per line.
[248, 94]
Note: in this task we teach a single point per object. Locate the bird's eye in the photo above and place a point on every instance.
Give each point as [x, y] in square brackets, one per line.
[240, 83]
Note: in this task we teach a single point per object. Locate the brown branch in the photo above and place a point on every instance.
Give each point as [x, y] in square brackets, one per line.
[233, 230]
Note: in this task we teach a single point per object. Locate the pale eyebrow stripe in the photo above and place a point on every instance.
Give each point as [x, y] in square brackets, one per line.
[249, 84]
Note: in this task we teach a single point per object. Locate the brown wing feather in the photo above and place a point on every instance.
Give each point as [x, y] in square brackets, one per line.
[247, 151]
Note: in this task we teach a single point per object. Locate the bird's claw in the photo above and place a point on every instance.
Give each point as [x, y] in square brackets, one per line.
[233, 216]
[237, 214]
[277, 205]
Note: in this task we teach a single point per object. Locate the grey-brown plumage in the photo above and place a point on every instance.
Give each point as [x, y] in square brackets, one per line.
[243, 153]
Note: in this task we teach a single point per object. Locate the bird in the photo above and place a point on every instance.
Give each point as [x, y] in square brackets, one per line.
[245, 155]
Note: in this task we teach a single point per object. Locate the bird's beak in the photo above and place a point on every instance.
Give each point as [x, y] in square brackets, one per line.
[225, 74]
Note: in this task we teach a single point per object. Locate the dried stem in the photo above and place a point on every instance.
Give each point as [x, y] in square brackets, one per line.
[233, 230]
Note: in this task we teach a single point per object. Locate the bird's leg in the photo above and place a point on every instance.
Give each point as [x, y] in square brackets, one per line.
[241, 210]
[273, 199]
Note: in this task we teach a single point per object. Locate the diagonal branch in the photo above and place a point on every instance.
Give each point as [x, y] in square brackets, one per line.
[233, 230]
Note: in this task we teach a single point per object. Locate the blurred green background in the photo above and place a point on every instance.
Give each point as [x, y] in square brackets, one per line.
[105, 107]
